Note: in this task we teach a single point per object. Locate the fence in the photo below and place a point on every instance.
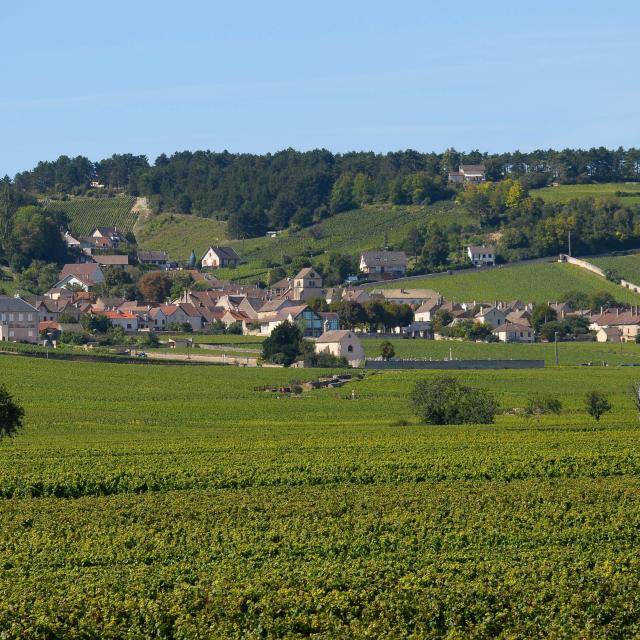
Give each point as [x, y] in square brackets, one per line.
[454, 364]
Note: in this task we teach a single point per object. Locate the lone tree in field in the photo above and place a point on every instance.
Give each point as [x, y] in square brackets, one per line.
[387, 351]
[597, 404]
[285, 344]
[443, 400]
[11, 414]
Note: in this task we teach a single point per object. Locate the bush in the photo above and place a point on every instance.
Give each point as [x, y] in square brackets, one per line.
[539, 405]
[326, 361]
[443, 400]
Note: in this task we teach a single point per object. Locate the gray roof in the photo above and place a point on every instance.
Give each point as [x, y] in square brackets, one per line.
[7, 303]
[384, 258]
[152, 256]
[224, 252]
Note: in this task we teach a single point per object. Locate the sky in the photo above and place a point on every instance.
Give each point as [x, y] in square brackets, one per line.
[155, 76]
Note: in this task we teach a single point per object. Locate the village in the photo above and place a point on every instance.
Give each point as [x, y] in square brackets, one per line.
[334, 319]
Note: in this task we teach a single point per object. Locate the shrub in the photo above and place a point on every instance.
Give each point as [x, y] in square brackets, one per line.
[326, 361]
[443, 400]
[539, 405]
[387, 350]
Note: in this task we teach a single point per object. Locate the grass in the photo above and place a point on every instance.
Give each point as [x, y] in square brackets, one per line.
[87, 213]
[8, 282]
[180, 234]
[350, 232]
[567, 192]
[628, 267]
[570, 353]
[182, 502]
[538, 282]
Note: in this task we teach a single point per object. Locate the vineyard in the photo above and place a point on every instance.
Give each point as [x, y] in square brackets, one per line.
[87, 213]
[178, 502]
[537, 282]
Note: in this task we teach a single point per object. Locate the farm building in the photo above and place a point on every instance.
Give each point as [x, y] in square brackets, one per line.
[468, 173]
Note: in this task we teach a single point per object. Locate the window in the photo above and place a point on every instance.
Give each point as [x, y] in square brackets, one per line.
[30, 333]
[20, 317]
[350, 348]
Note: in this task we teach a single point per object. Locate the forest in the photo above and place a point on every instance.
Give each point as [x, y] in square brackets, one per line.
[292, 188]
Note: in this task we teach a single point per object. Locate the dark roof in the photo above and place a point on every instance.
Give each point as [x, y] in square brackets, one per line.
[480, 249]
[152, 256]
[224, 252]
[7, 303]
[84, 272]
[384, 258]
[472, 168]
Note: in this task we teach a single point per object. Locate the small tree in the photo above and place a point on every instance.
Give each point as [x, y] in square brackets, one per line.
[284, 345]
[11, 414]
[387, 351]
[597, 404]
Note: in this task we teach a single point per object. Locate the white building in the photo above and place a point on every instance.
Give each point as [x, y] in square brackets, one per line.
[482, 256]
[342, 344]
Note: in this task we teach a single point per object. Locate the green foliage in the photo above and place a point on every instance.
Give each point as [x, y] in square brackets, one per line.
[597, 404]
[443, 400]
[324, 360]
[541, 404]
[11, 414]
[84, 214]
[540, 282]
[541, 314]
[95, 323]
[387, 351]
[38, 277]
[285, 344]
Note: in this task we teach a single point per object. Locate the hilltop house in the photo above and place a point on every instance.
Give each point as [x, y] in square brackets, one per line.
[342, 344]
[378, 265]
[18, 320]
[216, 257]
[114, 236]
[468, 173]
[481, 256]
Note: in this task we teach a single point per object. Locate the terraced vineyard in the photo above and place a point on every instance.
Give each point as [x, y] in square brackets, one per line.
[181, 502]
[627, 267]
[87, 213]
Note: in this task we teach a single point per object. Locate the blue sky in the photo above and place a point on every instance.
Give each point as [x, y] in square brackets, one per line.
[153, 76]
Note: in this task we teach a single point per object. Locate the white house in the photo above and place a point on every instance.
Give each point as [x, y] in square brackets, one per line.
[468, 173]
[514, 333]
[128, 321]
[482, 256]
[427, 310]
[216, 257]
[307, 284]
[342, 344]
[490, 315]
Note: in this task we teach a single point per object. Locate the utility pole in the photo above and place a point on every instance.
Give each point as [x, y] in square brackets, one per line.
[569, 243]
[555, 341]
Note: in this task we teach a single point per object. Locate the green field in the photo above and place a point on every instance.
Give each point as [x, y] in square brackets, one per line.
[569, 353]
[178, 502]
[538, 282]
[180, 234]
[628, 267]
[87, 213]
[566, 192]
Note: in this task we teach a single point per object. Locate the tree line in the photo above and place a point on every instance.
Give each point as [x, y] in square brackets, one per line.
[274, 191]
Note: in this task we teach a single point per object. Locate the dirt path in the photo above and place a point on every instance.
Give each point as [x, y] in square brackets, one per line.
[141, 207]
[222, 359]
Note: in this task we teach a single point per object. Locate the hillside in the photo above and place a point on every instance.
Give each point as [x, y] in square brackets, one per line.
[86, 213]
[350, 233]
[180, 234]
[566, 192]
[539, 282]
[627, 267]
